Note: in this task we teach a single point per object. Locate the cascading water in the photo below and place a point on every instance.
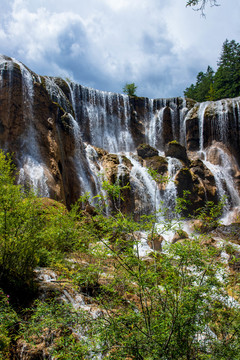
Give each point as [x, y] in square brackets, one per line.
[118, 124]
[224, 181]
[182, 116]
[95, 166]
[201, 113]
[154, 125]
[97, 172]
[55, 92]
[222, 171]
[31, 166]
[153, 129]
[170, 193]
[236, 113]
[106, 116]
[82, 166]
[146, 191]
[154, 133]
[222, 116]
[174, 117]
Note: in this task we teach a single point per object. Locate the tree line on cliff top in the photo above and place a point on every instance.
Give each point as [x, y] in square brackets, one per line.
[225, 82]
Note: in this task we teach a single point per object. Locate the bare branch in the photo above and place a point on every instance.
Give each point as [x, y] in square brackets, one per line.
[201, 4]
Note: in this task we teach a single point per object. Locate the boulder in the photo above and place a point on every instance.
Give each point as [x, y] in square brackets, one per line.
[157, 163]
[228, 232]
[202, 226]
[179, 235]
[175, 150]
[155, 242]
[110, 164]
[119, 172]
[191, 189]
[207, 179]
[146, 151]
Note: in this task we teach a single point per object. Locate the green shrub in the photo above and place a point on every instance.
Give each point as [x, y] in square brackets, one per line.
[20, 226]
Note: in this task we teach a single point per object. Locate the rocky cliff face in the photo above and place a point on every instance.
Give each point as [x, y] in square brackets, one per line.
[62, 135]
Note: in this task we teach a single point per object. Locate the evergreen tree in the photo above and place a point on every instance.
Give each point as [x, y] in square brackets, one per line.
[225, 83]
[200, 91]
[227, 77]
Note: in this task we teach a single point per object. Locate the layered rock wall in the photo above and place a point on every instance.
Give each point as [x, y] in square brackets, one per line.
[60, 134]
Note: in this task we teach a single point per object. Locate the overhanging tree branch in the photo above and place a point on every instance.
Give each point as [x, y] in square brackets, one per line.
[201, 4]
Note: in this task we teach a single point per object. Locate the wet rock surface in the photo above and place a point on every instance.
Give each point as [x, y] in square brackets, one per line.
[176, 150]
[49, 124]
[146, 151]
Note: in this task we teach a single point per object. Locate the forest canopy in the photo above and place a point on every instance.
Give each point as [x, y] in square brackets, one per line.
[225, 82]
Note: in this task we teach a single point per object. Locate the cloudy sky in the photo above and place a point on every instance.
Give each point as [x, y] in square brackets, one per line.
[159, 44]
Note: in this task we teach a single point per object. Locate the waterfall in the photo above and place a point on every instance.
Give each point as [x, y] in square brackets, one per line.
[153, 128]
[224, 180]
[201, 113]
[182, 116]
[236, 114]
[83, 169]
[95, 166]
[222, 120]
[145, 188]
[174, 118]
[118, 124]
[56, 93]
[32, 174]
[31, 166]
[154, 136]
[170, 193]
[106, 116]
[97, 172]
[155, 122]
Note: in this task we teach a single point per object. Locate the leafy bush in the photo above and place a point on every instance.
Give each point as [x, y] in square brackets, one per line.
[8, 321]
[130, 89]
[55, 324]
[20, 226]
[169, 305]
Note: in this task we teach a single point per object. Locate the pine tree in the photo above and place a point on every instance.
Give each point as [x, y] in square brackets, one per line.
[227, 77]
[201, 90]
[225, 83]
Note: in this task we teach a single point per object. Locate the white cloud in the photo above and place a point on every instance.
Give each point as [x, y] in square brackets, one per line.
[159, 44]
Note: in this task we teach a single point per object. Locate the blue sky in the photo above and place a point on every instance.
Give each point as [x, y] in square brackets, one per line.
[159, 44]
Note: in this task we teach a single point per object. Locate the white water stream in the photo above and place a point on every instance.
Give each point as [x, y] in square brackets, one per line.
[104, 119]
[31, 165]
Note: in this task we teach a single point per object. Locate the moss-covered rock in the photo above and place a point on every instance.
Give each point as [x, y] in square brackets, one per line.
[179, 235]
[155, 242]
[190, 188]
[146, 151]
[176, 150]
[157, 163]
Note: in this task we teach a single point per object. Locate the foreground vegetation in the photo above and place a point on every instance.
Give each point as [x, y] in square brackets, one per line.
[173, 304]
